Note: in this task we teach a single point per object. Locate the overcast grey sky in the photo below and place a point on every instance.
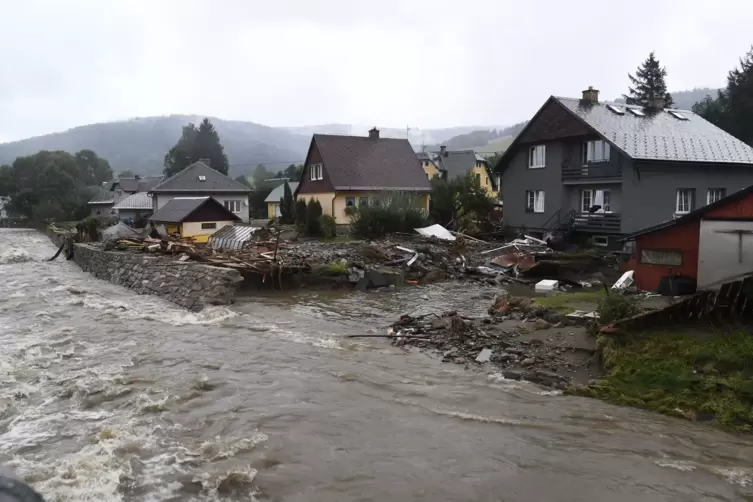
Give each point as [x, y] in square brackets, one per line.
[427, 63]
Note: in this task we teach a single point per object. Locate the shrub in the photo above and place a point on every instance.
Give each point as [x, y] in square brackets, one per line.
[300, 215]
[377, 221]
[328, 226]
[313, 212]
[614, 307]
[287, 206]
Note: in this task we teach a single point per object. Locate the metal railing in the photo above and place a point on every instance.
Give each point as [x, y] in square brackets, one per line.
[598, 222]
[591, 171]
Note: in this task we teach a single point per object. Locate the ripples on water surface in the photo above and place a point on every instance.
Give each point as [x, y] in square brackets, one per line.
[110, 396]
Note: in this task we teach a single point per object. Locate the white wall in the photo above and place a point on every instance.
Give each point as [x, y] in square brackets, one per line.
[162, 199]
[719, 255]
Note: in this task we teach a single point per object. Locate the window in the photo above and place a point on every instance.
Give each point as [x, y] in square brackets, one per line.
[715, 194]
[677, 115]
[661, 257]
[637, 112]
[350, 201]
[591, 198]
[317, 172]
[600, 240]
[208, 226]
[537, 157]
[363, 201]
[614, 109]
[595, 151]
[234, 206]
[478, 178]
[684, 201]
[535, 201]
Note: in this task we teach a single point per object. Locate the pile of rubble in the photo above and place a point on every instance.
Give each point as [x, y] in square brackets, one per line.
[467, 341]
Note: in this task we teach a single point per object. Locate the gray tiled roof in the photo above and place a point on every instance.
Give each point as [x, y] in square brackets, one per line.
[140, 200]
[363, 163]
[179, 208]
[133, 185]
[279, 191]
[457, 163]
[661, 136]
[104, 195]
[189, 180]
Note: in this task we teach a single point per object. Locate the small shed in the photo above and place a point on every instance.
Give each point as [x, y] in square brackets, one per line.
[710, 245]
[196, 217]
[133, 206]
[273, 199]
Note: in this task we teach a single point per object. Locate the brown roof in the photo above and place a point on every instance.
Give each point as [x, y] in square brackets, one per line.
[363, 163]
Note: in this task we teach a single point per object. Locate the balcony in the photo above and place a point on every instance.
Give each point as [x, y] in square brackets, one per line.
[608, 223]
[594, 171]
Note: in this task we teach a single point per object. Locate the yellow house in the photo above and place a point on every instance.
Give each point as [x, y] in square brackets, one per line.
[429, 165]
[349, 171]
[459, 163]
[195, 217]
[273, 199]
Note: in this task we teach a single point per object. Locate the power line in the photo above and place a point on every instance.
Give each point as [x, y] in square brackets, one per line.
[301, 161]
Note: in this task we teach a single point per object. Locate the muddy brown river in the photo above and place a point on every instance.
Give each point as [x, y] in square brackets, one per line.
[110, 396]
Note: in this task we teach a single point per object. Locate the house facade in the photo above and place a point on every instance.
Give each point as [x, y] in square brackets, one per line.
[709, 246]
[607, 169]
[194, 217]
[102, 205]
[348, 171]
[273, 199]
[200, 180]
[450, 164]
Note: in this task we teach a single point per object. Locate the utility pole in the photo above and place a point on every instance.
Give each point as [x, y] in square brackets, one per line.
[407, 132]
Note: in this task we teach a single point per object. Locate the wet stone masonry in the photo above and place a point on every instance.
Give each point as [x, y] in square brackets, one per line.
[189, 285]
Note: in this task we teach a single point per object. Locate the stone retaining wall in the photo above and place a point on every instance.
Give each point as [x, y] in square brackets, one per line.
[189, 285]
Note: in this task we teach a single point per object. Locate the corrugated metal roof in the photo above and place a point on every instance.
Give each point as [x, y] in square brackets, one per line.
[232, 237]
[279, 191]
[661, 135]
[139, 200]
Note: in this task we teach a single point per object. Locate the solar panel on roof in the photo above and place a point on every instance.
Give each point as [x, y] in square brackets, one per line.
[637, 111]
[677, 115]
[618, 111]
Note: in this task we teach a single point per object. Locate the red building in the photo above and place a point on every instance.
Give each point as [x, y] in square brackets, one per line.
[709, 245]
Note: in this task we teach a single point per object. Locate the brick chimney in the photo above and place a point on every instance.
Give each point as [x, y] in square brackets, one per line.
[591, 95]
[208, 162]
[374, 133]
[443, 151]
[657, 103]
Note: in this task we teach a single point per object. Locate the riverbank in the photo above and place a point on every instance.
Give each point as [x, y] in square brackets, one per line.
[696, 373]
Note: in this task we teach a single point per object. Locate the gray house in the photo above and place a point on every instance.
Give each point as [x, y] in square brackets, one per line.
[200, 180]
[607, 169]
[113, 192]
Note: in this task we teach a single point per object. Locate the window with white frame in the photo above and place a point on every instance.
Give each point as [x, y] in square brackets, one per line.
[661, 257]
[590, 198]
[316, 172]
[715, 194]
[537, 157]
[234, 206]
[535, 201]
[684, 202]
[595, 151]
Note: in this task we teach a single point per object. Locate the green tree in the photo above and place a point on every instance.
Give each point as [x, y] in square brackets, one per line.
[207, 145]
[260, 176]
[287, 206]
[460, 201]
[95, 170]
[125, 174]
[313, 223]
[648, 83]
[732, 109]
[194, 144]
[293, 172]
[244, 180]
[300, 214]
[180, 156]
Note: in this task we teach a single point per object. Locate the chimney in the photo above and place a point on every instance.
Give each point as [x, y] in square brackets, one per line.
[657, 103]
[374, 133]
[208, 162]
[591, 95]
[443, 150]
[137, 176]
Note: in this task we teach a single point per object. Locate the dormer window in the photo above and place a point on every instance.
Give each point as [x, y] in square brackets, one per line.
[595, 151]
[202, 177]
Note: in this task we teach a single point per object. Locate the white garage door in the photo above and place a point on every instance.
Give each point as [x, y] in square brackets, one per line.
[725, 251]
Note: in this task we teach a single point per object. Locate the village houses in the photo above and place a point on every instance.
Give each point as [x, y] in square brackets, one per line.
[449, 164]
[273, 199]
[607, 170]
[114, 193]
[194, 217]
[349, 171]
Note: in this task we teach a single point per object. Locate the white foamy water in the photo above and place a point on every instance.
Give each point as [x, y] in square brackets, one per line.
[110, 396]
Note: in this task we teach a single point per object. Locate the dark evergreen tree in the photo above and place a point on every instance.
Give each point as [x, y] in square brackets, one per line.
[648, 83]
[196, 143]
[207, 146]
[733, 107]
[244, 180]
[287, 206]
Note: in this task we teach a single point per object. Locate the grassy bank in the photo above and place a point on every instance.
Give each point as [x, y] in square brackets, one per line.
[699, 375]
[568, 302]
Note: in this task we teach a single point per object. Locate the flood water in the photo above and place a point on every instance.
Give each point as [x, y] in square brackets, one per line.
[110, 396]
